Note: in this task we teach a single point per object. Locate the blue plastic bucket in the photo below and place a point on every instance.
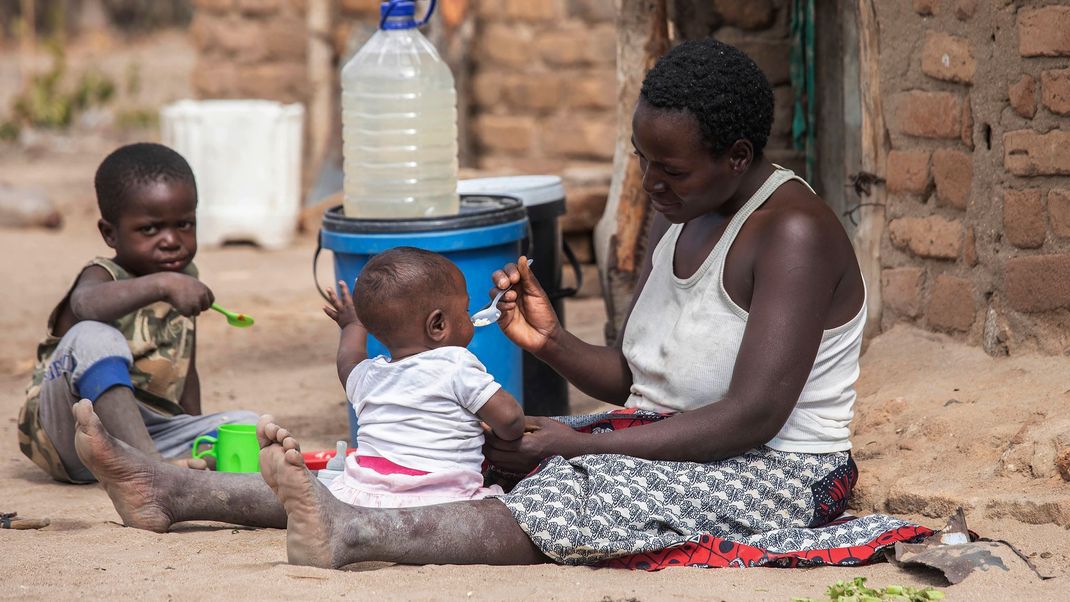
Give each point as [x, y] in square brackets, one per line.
[484, 236]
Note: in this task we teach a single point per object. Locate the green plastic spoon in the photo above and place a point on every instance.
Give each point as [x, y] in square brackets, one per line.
[239, 320]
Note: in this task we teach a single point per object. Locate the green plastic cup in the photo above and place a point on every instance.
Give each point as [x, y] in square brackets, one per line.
[235, 449]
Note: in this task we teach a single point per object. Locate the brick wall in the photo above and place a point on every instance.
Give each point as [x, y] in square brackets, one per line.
[977, 104]
[250, 49]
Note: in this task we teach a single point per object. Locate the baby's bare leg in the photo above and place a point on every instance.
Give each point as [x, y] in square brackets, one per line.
[322, 531]
[153, 495]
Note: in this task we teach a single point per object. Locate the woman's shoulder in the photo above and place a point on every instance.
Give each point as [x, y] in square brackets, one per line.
[796, 219]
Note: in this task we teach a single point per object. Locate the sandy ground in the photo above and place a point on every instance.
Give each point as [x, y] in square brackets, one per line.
[940, 425]
[935, 421]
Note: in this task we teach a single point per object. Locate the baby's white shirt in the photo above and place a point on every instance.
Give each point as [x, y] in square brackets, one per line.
[420, 411]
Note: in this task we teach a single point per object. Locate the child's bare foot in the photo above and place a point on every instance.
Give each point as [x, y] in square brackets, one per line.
[309, 505]
[128, 475]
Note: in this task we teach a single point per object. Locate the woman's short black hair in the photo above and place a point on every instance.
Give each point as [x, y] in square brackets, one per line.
[720, 85]
[136, 165]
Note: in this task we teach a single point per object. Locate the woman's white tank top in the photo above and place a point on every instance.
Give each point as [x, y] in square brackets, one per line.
[684, 334]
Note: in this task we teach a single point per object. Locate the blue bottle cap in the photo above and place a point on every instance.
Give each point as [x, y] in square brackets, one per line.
[397, 14]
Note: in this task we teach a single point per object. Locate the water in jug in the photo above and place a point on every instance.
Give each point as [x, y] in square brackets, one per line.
[399, 123]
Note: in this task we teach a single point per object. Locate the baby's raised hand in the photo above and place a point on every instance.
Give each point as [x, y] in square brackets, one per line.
[341, 308]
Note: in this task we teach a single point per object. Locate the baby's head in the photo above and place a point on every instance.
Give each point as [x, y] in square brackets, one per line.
[148, 208]
[411, 298]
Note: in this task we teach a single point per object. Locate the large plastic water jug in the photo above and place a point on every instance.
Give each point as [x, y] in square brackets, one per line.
[246, 157]
[399, 123]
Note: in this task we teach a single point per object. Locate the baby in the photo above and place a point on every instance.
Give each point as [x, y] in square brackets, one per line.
[421, 410]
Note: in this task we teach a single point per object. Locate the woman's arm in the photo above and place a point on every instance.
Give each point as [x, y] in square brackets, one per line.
[529, 320]
[795, 277]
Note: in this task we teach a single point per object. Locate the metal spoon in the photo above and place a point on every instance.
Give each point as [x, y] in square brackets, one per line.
[491, 314]
[239, 320]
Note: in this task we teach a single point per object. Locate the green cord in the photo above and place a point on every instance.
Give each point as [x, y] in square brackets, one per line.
[802, 64]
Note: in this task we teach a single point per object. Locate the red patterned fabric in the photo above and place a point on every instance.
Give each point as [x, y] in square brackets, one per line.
[714, 552]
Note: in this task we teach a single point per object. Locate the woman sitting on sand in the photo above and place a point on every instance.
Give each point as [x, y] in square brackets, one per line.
[738, 363]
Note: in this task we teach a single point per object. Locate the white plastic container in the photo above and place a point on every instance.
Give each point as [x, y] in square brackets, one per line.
[246, 157]
[399, 124]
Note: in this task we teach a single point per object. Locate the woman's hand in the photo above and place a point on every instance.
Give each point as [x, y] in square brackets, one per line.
[528, 318]
[543, 437]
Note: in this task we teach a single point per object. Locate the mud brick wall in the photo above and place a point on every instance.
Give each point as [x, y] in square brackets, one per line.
[542, 86]
[977, 102]
[250, 49]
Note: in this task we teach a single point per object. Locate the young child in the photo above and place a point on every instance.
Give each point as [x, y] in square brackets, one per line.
[123, 336]
[420, 410]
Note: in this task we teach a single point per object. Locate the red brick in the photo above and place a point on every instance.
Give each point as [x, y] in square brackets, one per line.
[592, 90]
[488, 88]
[951, 304]
[933, 237]
[948, 58]
[908, 171]
[1023, 96]
[215, 79]
[1055, 90]
[204, 31]
[534, 91]
[751, 14]
[592, 10]
[506, 45]
[579, 137]
[564, 46]
[505, 133]
[969, 248]
[602, 48]
[287, 38]
[1023, 218]
[360, 7]
[243, 39]
[283, 82]
[926, 8]
[1059, 211]
[534, 10]
[953, 173]
[927, 114]
[1044, 31]
[1037, 283]
[901, 290]
[258, 8]
[1030, 153]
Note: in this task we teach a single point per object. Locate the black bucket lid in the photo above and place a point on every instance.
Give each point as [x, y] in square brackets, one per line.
[476, 211]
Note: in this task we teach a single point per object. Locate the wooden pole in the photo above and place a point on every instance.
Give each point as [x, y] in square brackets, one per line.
[871, 216]
[620, 236]
[321, 95]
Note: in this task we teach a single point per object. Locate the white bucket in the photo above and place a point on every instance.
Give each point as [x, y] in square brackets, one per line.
[246, 156]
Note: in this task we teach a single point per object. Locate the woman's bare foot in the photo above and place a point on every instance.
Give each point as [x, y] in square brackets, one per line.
[128, 475]
[309, 505]
[191, 463]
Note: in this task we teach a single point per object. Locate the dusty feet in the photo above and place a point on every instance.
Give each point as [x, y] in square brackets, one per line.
[310, 507]
[128, 475]
[191, 463]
